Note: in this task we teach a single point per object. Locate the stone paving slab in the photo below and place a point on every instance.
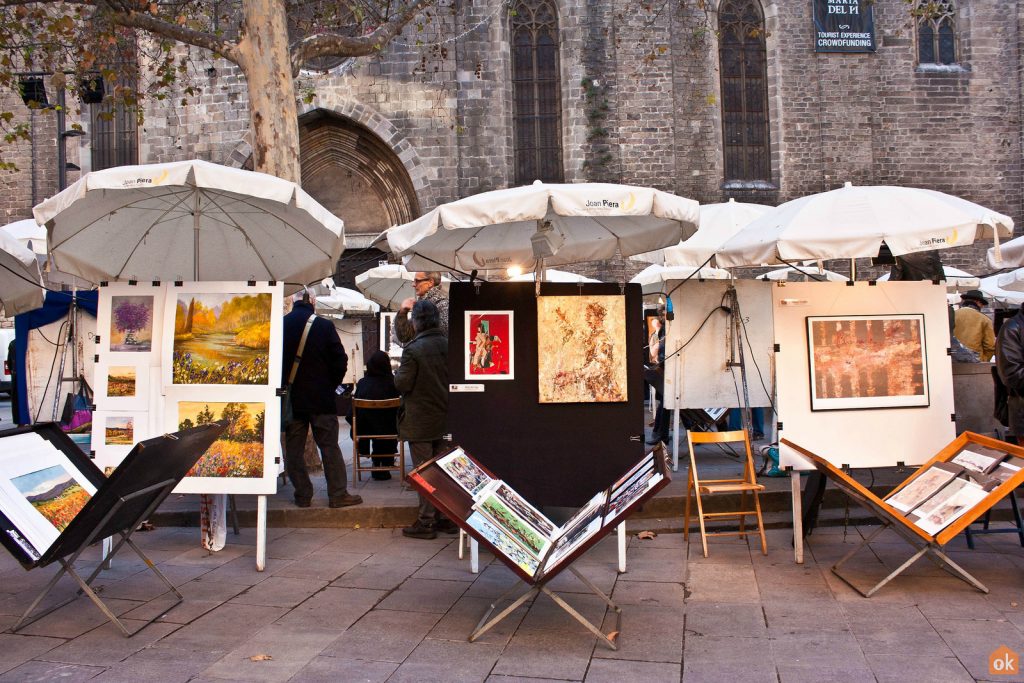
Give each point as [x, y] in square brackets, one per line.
[370, 605]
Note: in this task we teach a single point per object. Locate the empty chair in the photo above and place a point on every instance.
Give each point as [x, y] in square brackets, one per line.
[747, 484]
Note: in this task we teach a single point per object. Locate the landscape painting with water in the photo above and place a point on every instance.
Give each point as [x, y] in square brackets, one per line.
[239, 450]
[221, 339]
[54, 493]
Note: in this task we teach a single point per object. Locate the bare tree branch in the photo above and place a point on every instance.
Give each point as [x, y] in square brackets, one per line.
[182, 34]
[336, 45]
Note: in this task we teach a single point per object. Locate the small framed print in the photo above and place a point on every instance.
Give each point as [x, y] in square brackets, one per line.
[129, 320]
[867, 361]
[123, 386]
[489, 345]
[115, 432]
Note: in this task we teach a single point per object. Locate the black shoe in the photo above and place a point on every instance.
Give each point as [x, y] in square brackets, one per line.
[303, 502]
[447, 526]
[346, 500]
[418, 530]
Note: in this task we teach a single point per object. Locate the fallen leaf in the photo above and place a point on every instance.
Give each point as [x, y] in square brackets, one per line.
[1013, 604]
[260, 658]
[646, 535]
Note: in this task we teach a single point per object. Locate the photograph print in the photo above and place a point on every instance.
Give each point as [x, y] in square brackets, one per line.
[582, 349]
[489, 349]
[54, 493]
[867, 361]
[923, 487]
[523, 508]
[949, 504]
[504, 543]
[221, 338]
[582, 528]
[514, 525]
[238, 453]
[131, 323]
[464, 471]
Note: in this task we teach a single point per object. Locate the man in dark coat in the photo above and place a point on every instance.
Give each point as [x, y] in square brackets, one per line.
[1010, 364]
[422, 420]
[321, 369]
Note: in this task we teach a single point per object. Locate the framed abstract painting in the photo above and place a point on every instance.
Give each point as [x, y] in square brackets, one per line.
[867, 361]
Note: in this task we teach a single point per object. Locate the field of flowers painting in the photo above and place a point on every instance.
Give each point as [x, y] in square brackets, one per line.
[239, 450]
[54, 493]
[221, 339]
[121, 381]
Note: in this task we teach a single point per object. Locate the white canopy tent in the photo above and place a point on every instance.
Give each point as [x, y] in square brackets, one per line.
[956, 280]
[652, 279]
[390, 284]
[543, 225]
[852, 222]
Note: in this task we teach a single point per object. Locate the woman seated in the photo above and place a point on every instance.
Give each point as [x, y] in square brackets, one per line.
[377, 385]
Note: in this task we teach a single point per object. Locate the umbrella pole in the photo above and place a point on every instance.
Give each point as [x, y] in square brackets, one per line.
[195, 234]
[538, 275]
[853, 270]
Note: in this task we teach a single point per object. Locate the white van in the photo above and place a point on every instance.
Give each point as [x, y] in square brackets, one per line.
[6, 337]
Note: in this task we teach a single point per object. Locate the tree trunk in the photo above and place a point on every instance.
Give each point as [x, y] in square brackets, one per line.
[266, 63]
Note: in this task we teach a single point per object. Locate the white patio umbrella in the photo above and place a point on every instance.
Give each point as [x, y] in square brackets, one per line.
[391, 284]
[20, 283]
[29, 233]
[189, 220]
[1011, 254]
[852, 222]
[653, 278]
[343, 301]
[552, 275]
[544, 225]
[994, 292]
[803, 273]
[718, 222]
[956, 280]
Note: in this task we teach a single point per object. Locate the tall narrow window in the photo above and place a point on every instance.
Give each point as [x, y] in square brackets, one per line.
[936, 31]
[535, 91]
[114, 129]
[743, 66]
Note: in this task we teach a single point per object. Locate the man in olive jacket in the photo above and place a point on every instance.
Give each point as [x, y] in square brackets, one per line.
[422, 379]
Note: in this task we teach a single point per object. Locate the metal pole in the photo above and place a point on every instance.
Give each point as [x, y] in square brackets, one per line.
[62, 171]
[195, 234]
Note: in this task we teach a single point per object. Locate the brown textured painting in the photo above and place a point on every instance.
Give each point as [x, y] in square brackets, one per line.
[582, 349]
[867, 362]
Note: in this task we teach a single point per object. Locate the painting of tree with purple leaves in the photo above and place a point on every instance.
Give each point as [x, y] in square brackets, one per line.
[131, 323]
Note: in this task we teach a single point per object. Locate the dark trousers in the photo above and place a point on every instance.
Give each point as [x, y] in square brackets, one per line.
[325, 434]
[422, 451]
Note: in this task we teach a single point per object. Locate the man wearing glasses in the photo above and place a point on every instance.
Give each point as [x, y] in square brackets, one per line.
[428, 288]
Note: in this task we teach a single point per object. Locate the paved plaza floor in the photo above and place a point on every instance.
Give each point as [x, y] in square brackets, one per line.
[370, 605]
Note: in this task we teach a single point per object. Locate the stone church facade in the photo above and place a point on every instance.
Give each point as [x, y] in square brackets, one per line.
[733, 101]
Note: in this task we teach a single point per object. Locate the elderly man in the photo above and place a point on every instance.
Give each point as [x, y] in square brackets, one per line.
[422, 379]
[428, 288]
[973, 328]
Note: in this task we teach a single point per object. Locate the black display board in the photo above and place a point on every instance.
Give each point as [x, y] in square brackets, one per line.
[844, 26]
[553, 454]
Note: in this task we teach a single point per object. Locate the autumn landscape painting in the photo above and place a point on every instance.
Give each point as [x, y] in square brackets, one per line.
[54, 493]
[239, 450]
[121, 381]
[221, 339]
[119, 430]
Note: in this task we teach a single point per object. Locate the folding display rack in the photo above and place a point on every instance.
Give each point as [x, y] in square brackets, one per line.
[925, 544]
[121, 503]
[453, 501]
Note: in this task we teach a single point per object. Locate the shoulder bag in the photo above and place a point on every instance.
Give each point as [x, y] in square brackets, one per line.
[287, 414]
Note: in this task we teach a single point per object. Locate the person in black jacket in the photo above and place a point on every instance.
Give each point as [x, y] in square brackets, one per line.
[377, 385]
[422, 420]
[1010, 365]
[321, 369]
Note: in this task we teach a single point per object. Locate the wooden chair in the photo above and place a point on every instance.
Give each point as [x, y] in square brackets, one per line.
[364, 404]
[744, 485]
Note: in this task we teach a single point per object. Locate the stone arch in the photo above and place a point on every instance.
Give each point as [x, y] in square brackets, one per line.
[357, 164]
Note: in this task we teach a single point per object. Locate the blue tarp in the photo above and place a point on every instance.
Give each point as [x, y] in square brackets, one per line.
[55, 306]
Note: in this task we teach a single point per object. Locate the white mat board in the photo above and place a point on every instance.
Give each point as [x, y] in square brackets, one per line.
[877, 437]
[705, 381]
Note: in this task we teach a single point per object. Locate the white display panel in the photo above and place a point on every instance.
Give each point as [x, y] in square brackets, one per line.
[874, 437]
[698, 376]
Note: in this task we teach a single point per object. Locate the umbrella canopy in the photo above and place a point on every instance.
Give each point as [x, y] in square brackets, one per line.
[1011, 254]
[20, 283]
[391, 284]
[342, 301]
[189, 220]
[956, 280]
[807, 273]
[29, 233]
[852, 222]
[560, 224]
[718, 222]
[994, 292]
[653, 278]
[552, 275]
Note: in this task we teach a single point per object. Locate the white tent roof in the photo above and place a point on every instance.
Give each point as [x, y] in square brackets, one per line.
[653, 278]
